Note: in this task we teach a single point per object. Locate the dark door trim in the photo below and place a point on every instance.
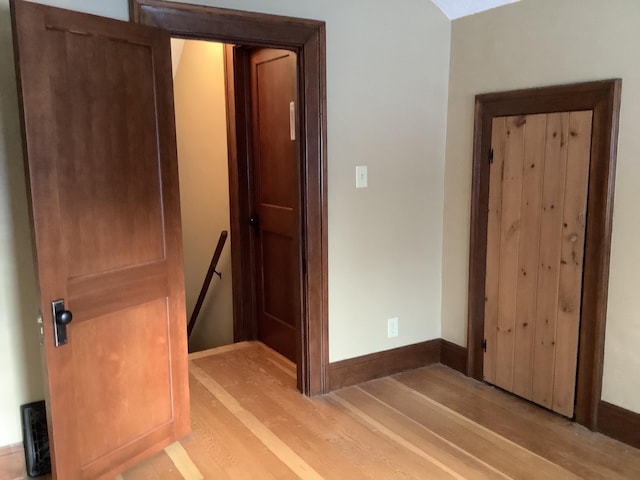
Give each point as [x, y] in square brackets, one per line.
[307, 39]
[603, 98]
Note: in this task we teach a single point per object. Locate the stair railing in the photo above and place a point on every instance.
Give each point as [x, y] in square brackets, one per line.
[207, 281]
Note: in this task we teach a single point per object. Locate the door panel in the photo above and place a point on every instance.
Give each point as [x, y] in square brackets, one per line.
[102, 171]
[509, 248]
[534, 144]
[276, 199]
[494, 222]
[572, 262]
[556, 148]
[535, 248]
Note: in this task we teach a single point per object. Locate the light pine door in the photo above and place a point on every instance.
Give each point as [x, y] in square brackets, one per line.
[100, 150]
[535, 248]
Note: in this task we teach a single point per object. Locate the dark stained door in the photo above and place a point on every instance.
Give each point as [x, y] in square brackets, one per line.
[276, 198]
[102, 171]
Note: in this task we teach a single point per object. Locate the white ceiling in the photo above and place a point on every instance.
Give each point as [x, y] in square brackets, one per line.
[461, 8]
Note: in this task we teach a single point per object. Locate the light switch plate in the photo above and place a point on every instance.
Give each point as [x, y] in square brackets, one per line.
[392, 327]
[361, 176]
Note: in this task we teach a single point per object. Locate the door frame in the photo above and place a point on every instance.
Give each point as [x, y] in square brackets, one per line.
[603, 98]
[307, 39]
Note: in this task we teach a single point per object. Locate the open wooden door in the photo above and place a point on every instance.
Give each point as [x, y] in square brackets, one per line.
[101, 158]
[276, 198]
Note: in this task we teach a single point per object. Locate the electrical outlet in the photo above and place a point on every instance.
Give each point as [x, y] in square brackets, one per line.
[392, 327]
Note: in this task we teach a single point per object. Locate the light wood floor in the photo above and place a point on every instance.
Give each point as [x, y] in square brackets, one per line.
[249, 422]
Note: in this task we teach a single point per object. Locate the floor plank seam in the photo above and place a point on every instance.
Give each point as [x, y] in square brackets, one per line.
[278, 447]
[440, 437]
[183, 462]
[466, 419]
[396, 438]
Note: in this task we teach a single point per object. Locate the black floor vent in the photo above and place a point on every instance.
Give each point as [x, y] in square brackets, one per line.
[36, 438]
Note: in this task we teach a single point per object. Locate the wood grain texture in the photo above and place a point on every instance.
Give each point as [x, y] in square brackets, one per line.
[574, 448]
[430, 422]
[276, 200]
[537, 196]
[102, 169]
[510, 226]
[307, 39]
[554, 181]
[603, 98]
[492, 266]
[380, 364]
[571, 262]
[12, 463]
[528, 258]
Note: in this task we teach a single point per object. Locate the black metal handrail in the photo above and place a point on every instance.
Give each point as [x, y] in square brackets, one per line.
[207, 281]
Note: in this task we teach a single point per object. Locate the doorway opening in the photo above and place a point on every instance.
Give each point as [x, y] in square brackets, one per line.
[201, 132]
[306, 38]
[208, 97]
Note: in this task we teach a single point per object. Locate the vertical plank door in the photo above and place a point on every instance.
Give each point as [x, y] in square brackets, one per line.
[102, 172]
[535, 248]
[276, 198]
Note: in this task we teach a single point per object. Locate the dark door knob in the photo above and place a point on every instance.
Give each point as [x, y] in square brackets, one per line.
[254, 221]
[64, 317]
[61, 318]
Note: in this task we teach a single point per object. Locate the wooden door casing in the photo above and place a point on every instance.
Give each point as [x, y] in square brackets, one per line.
[535, 245]
[276, 198]
[307, 39]
[97, 107]
[603, 99]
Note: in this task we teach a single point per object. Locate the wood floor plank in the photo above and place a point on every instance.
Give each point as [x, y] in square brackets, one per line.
[428, 423]
[335, 444]
[183, 462]
[221, 350]
[413, 436]
[586, 454]
[157, 467]
[222, 447]
[285, 453]
[12, 466]
[499, 452]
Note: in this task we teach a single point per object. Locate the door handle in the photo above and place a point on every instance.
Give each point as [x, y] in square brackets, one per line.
[254, 221]
[61, 318]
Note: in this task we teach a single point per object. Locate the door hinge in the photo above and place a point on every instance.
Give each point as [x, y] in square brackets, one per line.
[490, 156]
[484, 344]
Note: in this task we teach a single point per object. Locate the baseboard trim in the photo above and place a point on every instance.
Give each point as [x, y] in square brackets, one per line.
[12, 462]
[619, 423]
[381, 364]
[454, 356]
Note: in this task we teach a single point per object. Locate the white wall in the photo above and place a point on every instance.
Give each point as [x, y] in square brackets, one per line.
[201, 128]
[387, 75]
[536, 43]
[20, 378]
